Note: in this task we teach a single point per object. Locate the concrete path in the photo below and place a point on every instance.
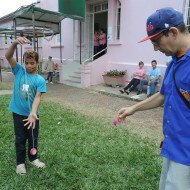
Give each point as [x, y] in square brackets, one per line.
[101, 88]
[111, 91]
[5, 92]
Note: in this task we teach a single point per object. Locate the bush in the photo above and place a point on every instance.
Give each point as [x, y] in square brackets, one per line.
[115, 72]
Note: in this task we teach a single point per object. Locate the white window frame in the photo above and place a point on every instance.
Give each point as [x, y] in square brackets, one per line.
[187, 13]
[57, 39]
[118, 20]
[103, 6]
[40, 41]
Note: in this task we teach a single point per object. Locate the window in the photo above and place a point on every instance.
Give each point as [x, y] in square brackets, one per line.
[187, 14]
[94, 8]
[118, 19]
[104, 6]
[39, 41]
[91, 9]
[97, 8]
[57, 39]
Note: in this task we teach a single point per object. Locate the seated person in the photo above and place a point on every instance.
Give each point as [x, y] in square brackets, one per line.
[153, 79]
[138, 75]
[169, 60]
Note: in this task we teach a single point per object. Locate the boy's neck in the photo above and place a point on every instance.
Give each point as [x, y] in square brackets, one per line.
[33, 73]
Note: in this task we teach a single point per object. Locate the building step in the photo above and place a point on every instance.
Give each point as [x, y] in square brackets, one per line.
[69, 83]
[71, 74]
[74, 76]
[77, 72]
[72, 80]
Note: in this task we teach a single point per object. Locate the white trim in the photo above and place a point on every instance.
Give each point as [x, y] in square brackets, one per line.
[92, 6]
[56, 39]
[186, 16]
[117, 26]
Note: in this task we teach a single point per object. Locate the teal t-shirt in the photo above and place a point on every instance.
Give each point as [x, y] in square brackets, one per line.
[153, 73]
[24, 91]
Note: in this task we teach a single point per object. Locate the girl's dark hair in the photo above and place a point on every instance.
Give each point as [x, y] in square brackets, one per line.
[31, 54]
[141, 63]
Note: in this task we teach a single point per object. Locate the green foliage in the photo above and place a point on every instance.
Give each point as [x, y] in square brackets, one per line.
[115, 72]
[81, 153]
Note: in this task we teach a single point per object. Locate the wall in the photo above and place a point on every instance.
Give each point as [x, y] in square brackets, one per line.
[133, 22]
[127, 52]
[122, 54]
[51, 47]
[98, 67]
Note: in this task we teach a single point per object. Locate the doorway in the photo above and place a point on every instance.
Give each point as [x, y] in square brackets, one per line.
[100, 30]
[97, 19]
[101, 21]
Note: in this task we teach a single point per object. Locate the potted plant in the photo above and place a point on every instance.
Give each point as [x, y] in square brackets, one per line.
[114, 77]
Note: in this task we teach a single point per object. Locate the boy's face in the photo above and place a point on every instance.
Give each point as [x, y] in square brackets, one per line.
[154, 64]
[30, 65]
[141, 65]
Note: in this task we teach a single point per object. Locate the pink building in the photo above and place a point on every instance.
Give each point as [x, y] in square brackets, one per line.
[124, 23]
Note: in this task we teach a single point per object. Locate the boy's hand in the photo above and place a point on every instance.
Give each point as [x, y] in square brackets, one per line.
[22, 41]
[31, 121]
[10, 52]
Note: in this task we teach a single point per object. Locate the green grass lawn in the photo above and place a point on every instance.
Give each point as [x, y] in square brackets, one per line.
[81, 153]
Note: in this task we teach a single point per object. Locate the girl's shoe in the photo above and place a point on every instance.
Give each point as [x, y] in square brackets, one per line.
[21, 169]
[127, 92]
[122, 92]
[38, 164]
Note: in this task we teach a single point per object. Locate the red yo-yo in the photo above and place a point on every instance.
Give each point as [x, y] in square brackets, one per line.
[117, 122]
[33, 151]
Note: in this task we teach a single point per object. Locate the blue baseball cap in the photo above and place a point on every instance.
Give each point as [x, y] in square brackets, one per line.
[163, 19]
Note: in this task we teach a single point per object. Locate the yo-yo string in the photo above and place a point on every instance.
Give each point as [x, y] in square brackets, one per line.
[28, 100]
[32, 137]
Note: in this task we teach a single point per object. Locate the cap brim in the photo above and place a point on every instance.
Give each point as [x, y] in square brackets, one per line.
[149, 37]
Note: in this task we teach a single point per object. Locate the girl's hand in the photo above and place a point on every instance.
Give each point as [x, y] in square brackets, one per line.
[31, 121]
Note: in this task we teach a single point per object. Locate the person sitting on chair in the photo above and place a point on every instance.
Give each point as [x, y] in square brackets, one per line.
[138, 75]
[153, 79]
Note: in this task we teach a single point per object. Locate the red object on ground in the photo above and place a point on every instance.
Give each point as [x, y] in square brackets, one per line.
[33, 151]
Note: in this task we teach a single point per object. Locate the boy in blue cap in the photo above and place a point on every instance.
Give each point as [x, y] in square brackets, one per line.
[168, 34]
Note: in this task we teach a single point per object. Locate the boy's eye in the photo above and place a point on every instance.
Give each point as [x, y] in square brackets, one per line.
[31, 63]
